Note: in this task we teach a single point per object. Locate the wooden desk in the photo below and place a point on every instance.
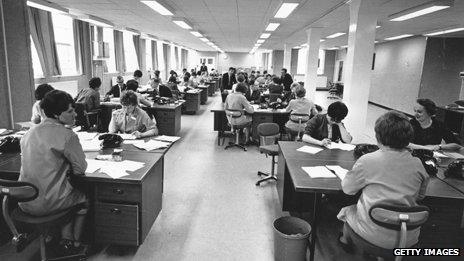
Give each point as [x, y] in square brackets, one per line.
[168, 117]
[210, 88]
[204, 94]
[297, 191]
[259, 116]
[192, 102]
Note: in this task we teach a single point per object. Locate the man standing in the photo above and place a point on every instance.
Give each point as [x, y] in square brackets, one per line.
[286, 79]
[204, 68]
[228, 79]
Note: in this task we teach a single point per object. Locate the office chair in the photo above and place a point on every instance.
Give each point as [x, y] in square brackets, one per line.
[164, 91]
[398, 218]
[22, 192]
[231, 115]
[84, 116]
[268, 133]
[299, 118]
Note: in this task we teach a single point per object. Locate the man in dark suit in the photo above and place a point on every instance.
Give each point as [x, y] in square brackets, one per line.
[204, 68]
[118, 88]
[286, 79]
[228, 79]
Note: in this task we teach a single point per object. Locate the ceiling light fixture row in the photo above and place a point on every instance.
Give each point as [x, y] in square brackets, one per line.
[423, 9]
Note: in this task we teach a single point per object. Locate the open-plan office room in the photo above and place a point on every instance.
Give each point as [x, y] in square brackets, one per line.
[232, 129]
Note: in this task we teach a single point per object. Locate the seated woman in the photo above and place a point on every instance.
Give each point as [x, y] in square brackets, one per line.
[253, 95]
[300, 105]
[322, 129]
[49, 152]
[90, 96]
[428, 131]
[133, 85]
[275, 87]
[132, 119]
[390, 175]
[37, 113]
[237, 101]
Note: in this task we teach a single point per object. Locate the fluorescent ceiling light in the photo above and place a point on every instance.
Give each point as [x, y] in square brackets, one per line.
[398, 37]
[183, 24]
[419, 10]
[335, 35]
[46, 6]
[445, 31]
[344, 46]
[377, 26]
[204, 39]
[272, 26]
[285, 10]
[197, 34]
[297, 47]
[304, 45]
[333, 48]
[322, 40]
[260, 41]
[210, 43]
[96, 21]
[162, 10]
[376, 41]
[265, 35]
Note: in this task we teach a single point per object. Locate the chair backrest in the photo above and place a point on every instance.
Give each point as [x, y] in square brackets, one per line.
[234, 113]
[299, 117]
[268, 133]
[82, 118]
[164, 91]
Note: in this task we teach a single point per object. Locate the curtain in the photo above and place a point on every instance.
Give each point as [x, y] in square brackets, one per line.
[183, 58]
[136, 39]
[82, 46]
[176, 57]
[154, 55]
[167, 59]
[41, 26]
[265, 60]
[119, 52]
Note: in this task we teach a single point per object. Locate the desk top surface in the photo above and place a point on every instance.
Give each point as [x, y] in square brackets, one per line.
[169, 106]
[260, 111]
[295, 160]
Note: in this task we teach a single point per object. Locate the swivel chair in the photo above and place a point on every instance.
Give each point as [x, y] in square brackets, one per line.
[236, 128]
[84, 117]
[397, 218]
[23, 192]
[165, 91]
[268, 134]
[299, 118]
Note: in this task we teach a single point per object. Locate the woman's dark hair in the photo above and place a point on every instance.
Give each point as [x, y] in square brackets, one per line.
[138, 73]
[172, 72]
[187, 74]
[241, 87]
[186, 78]
[129, 98]
[428, 105]
[337, 111]
[252, 81]
[194, 74]
[42, 90]
[240, 78]
[276, 80]
[394, 130]
[157, 73]
[172, 79]
[55, 102]
[95, 82]
[132, 85]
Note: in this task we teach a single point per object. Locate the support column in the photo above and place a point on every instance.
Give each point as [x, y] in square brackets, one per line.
[287, 57]
[363, 20]
[312, 55]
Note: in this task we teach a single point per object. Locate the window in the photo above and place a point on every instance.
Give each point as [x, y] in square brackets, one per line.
[129, 52]
[148, 59]
[161, 62]
[108, 37]
[36, 66]
[64, 40]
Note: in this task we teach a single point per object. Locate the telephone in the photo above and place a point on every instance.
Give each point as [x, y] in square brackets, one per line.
[454, 169]
[364, 148]
[10, 144]
[110, 140]
[428, 161]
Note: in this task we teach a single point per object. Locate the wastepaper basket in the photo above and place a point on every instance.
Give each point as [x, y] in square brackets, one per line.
[291, 239]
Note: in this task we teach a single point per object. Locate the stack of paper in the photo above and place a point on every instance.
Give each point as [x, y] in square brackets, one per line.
[167, 138]
[437, 154]
[319, 172]
[134, 142]
[341, 146]
[86, 135]
[309, 149]
[152, 145]
[339, 171]
[112, 168]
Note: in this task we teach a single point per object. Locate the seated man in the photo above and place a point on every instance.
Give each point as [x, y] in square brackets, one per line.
[322, 129]
[90, 96]
[118, 88]
[49, 152]
[132, 119]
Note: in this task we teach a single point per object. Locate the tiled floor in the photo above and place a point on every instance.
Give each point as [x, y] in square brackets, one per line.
[212, 209]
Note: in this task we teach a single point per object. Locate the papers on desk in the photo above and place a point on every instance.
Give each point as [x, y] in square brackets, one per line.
[341, 146]
[339, 171]
[152, 145]
[454, 155]
[3, 131]
[112, 168]
[86, 135]
[90, 145]
[437, 154]
[127, 136]
[319, 172]
[309, 149]
[167, 138]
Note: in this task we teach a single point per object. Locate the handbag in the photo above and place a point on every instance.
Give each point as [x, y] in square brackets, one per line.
[10, 145]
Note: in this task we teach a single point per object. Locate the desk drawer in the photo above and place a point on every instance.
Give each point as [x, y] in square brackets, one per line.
[116, 235]
[165, 114]
[118, 192]
[262, 118]
[117, 215]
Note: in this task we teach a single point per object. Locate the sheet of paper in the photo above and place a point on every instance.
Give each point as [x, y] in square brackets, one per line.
[91, 145]
[92, 165]
[127, 136]
[83, 135]
[319, 172]
[309, 149]
[112, 168]
[454, 155]
[339, 171]
[437, 154]
[341, 146]
[167, 138]
[139, 142]
[152, 145]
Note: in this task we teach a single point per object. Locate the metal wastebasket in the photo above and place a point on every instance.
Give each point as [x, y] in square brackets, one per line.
[291, 239]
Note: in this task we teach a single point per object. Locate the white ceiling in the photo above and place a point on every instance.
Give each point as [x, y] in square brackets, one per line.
[235, 25]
